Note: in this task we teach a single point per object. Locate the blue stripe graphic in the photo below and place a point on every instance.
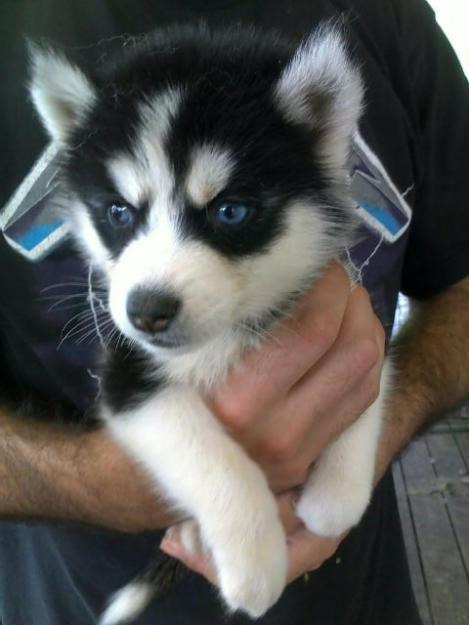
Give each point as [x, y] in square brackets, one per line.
[37, 234]
[383, 216]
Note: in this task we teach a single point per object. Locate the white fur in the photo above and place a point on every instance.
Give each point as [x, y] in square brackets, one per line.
[294, 258]
[157, 113]
[189, 455]
[160, 260]
[209, 171]
[60, 91]
[156, 116]
[127, 603]
[129, 178]
[86, 234]
[147, 175]
[321, 70]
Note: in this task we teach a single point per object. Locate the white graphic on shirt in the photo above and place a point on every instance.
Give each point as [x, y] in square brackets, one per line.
[32, 228]
[379, 203]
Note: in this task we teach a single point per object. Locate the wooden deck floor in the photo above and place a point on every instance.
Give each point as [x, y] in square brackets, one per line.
[432, 484]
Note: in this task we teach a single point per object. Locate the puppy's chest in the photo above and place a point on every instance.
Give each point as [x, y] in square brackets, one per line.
[132, 376]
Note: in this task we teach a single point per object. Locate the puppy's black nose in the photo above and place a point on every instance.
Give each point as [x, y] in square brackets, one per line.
[152, 311]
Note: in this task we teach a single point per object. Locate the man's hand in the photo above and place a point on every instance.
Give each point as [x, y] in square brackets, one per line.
[306, 551]
[315, 375]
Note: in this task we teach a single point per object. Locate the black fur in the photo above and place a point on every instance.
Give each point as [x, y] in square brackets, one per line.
[130, 378]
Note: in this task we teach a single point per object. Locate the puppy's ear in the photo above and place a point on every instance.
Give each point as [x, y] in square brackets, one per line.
[322, 88]
[60, 91]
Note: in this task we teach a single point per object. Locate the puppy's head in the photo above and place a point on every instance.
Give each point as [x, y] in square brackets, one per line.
[205, 173]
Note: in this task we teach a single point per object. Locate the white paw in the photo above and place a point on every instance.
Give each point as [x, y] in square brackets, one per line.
[252, 569]
[331, 509]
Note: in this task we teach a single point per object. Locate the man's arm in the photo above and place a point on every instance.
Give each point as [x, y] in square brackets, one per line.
[60, 473]
[431, 355]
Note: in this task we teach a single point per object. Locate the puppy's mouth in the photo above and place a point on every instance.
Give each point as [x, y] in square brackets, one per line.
[174, 339]
[166, 342]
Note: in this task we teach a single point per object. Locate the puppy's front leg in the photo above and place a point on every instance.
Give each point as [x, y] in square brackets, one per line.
[186, 451]
[337, 492]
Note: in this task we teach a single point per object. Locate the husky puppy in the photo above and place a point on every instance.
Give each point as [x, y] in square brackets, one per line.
[204, 175]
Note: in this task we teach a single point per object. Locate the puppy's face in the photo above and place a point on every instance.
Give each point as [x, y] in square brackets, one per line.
[205, 178]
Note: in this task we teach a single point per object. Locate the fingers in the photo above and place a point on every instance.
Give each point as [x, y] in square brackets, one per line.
[357, 349]
[307, 552]
[343, 384]
[287, 511]
[292, 350]
[330, 426]
[198, 562]
[331, 396]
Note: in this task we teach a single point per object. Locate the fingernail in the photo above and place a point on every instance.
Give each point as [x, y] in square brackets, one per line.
[170, 542]
[171, 548]
[171, 534]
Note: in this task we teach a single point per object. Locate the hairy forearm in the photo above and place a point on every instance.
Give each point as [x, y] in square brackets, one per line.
[39, 470]
[431, 360]
[62, 473]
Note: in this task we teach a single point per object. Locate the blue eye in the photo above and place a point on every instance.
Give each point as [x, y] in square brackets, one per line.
[231, 214]
[120, 215]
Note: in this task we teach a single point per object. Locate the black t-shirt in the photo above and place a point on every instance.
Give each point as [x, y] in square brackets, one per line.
[409, 168]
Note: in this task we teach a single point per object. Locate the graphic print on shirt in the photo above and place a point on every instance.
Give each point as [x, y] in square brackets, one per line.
[28, 221]
[379, 203]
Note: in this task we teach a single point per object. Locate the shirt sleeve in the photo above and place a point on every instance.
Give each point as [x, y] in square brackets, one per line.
[438, 249]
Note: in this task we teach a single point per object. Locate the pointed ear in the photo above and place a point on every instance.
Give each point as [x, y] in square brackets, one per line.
[60, 91]
[322, 88]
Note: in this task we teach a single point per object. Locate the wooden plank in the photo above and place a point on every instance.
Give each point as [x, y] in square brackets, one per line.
[444, 573]
[410, 540]
[450, 465]
[463, 441]
[417, 467]
[458, 502]
[442, 564]
[445, 457]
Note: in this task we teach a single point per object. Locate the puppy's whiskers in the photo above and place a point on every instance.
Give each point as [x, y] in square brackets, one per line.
[259, 332]
[92, 298]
